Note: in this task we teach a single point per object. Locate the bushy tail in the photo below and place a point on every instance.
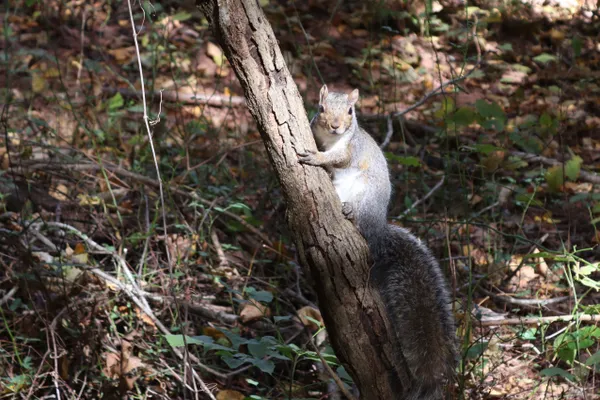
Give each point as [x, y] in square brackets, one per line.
[416, 297]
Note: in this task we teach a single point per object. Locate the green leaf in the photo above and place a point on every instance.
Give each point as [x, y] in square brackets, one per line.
[206, 341]
[235, 361]
[577, 45]
[486, 148]
[402, 160]
[266, 366]
[175, 340]
[544, 58]
[314, 321]
[496, 124]
[476, 350]
[545, 120]
[489, 110]
[463, 116]
[588, 269]
[136, 108]
[567, 354]
[258, 349]
[521, 68]
[593, 360]
[181, 16]
[528, 143]
[557, 372]
[446, 107]
[514, 163]
[528, 199]
[262, 296]
[529, 334]
[115, 102]
[555, 177]
[235, 339]
[342, 373]
[278, 355]
[572, 168]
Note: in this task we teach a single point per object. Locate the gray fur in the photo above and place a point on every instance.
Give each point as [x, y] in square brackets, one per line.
[405, 272]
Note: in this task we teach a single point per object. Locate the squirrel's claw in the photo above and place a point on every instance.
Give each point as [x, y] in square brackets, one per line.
[308, 157]
[348, 211]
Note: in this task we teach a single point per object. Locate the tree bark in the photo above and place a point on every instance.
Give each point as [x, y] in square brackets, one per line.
[329, 245]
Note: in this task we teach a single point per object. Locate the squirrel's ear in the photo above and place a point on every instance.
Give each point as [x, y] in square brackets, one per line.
[323, 94]
[353, 97]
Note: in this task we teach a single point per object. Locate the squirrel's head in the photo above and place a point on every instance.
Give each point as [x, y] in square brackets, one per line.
[336, 110]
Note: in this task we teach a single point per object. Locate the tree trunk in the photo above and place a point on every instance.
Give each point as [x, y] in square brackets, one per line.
[327, 243]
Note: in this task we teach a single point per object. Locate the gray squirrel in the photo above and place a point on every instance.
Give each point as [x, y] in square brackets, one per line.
[405, 272]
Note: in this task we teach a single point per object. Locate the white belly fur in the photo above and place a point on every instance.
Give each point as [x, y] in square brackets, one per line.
[349, 184]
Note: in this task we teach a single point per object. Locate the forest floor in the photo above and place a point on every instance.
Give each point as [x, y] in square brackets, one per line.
[491, 117]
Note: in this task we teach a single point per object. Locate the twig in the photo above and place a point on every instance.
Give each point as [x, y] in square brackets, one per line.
[55, 356]
[486, 209]
[81, 44]
[8, 295]
[150, 182]
[389, 134]
[540, 320]
[506, 298]
[220, 253]
[332, 374]
[583, 175]
[127, 290]
[440, 89]
[149, 132]
[432, 191]
[196, 308]
[215, 99]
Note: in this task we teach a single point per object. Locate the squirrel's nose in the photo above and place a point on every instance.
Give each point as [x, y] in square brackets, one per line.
[334, 126]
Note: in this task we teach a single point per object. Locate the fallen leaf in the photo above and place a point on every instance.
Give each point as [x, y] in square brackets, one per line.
[312, 313]
[38, 82]
[144, 317]
[123, 55]
[254, 310]
[215, 53]
[230, 395]
[542, 266]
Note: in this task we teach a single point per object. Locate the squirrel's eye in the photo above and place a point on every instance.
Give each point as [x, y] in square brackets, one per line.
[350, 111]
[321, 109]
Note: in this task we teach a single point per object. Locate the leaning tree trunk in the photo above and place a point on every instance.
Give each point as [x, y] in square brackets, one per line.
[327, 243]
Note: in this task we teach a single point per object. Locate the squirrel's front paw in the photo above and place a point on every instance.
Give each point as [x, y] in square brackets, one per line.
[348, 211]
[310, 158]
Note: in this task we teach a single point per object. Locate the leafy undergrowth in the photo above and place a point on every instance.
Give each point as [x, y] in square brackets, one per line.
[497, 175]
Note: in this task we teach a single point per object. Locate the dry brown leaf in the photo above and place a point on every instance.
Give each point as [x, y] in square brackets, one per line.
[38, 82]
[181, 246]
[479, 256]
[59, 192]
[525, 274]
[574, 187]
[230, 395]
[144, 317]
[112, 365]
[212, 332]
[313, 313]
[215, 53]
[542, 266]
[254, 310]
[123, 55]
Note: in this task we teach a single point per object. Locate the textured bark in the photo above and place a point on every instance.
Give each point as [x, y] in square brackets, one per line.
[328, 244]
